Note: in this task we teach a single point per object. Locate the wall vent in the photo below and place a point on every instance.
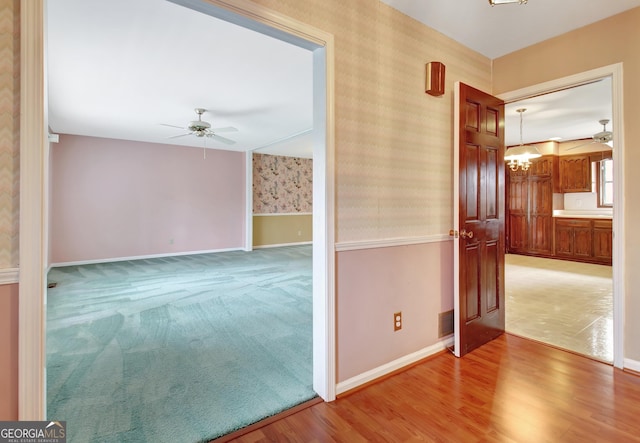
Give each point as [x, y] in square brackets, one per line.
[445, 323]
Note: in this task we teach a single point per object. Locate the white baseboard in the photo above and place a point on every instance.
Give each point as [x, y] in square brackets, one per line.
[280, 245]
[139, 257]
[633, 365]
[394, 365]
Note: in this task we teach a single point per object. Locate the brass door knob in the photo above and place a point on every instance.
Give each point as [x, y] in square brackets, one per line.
[465, 234]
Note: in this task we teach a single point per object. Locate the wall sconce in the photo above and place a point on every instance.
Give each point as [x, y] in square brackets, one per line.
[506, 2]
[435, 79]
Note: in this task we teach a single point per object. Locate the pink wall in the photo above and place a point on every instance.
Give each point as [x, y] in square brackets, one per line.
[114, 199]
[8, 352]
[373, 284]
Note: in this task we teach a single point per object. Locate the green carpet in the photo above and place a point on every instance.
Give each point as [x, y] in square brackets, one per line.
[180, 349]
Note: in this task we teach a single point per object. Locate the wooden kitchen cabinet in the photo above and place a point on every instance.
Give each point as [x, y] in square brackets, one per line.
[603, 241]
[573, 238]
[530, 207]
[575, 173]
[582, 239]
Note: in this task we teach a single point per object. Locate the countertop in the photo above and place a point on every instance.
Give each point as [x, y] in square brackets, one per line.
[606, 214]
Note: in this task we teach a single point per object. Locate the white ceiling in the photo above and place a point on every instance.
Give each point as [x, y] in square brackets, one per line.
[498, 30]
[122, 68]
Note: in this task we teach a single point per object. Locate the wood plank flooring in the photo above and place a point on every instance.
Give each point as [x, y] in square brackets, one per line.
[510, 390]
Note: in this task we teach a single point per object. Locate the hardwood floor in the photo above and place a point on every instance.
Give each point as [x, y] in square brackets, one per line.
[510, 390]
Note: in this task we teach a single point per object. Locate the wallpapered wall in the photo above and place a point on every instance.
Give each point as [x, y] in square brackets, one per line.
[393, 155]
[9, 132]
[282, 185]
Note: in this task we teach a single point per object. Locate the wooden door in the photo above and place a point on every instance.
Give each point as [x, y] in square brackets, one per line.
[478, 218]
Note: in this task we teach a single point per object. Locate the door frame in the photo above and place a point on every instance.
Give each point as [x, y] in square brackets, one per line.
[615, 72]
[34, 189]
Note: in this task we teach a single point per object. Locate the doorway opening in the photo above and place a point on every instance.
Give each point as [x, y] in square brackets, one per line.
[604, 327]
[34, 188]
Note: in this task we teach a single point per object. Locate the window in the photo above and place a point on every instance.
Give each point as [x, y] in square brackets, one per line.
[605, 183]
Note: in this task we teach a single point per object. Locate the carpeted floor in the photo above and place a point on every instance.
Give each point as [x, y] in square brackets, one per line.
[180, 349]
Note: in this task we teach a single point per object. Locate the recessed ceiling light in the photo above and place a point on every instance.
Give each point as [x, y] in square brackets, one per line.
[506, 2]
[555, 139]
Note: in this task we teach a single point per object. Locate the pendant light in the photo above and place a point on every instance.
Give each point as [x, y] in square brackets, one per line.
[520, 156]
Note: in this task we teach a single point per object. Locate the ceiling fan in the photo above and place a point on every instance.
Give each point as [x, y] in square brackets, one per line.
[201, 128]
[601, 137]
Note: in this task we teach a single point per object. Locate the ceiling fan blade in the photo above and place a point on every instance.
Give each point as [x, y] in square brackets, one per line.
[173, 126]
[225, 129]
[181, 135]
[221, 139]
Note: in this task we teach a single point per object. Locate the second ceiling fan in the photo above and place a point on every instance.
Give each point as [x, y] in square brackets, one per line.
[201, 128]
[601, 137]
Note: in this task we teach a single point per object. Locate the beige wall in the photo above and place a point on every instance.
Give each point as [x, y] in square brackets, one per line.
[269, 230]
[393, 141]
[9, 131]
[9, 211]
[610, 41]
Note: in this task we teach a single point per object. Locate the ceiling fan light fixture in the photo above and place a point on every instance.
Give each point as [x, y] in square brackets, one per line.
[506, 2]
[520, 156]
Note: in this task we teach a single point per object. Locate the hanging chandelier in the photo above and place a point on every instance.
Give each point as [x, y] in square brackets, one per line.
[520, 156]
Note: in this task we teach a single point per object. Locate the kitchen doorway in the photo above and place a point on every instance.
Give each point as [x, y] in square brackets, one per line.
[518, 99]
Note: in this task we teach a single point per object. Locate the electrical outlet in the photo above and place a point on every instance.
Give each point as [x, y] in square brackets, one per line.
[397, 321]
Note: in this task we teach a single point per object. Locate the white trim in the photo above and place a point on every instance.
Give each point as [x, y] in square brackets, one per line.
[281, 245]
[33, 222]
[139, 257]
[392, 366]
[248, 201]
[619, 291]
[390, 242]
[9, 276]
[633, 365]
[323, 228]
[456, 219]
[282, 213]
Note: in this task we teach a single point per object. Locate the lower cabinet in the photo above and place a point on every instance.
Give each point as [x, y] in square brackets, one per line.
[602, 240]
[583, 240]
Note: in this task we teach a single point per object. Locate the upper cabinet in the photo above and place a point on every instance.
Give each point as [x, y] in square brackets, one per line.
[575, 173]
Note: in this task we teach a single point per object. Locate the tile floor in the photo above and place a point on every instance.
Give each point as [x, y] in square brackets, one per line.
[563, 303]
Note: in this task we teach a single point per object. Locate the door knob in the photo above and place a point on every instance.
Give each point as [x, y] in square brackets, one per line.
[453, 233]
[465, 234]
